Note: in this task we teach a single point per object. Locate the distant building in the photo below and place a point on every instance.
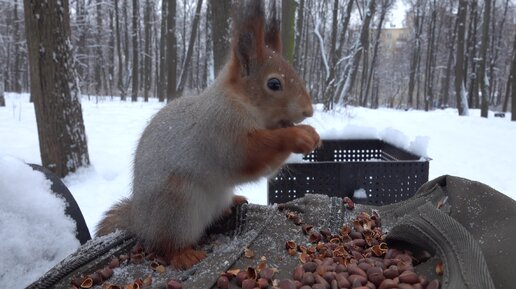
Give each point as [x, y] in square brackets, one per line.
[396, 31]
[393, 39]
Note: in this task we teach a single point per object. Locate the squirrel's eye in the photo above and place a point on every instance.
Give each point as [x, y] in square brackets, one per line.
[274, 84]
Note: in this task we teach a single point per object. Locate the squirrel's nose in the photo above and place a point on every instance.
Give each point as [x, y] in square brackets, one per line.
[308, 112]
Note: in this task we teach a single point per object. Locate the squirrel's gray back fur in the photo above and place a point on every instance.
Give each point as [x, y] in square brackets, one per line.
[183, 141]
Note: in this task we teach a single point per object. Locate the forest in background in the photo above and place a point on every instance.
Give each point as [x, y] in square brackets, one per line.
[345, 50]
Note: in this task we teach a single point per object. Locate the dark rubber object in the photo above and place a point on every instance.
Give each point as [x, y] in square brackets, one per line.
[72, 209]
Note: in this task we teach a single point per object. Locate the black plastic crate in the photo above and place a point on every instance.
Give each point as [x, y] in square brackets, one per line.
[387, 174]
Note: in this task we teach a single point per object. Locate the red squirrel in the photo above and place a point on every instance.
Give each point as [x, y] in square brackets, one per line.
[196, 149]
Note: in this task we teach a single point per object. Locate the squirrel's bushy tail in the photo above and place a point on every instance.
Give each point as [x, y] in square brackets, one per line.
[114, 218]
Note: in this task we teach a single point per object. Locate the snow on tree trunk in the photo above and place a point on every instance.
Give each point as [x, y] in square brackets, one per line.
[464, 101]
[324, 57]
[55, 86]
[358, 49]
[459, 59]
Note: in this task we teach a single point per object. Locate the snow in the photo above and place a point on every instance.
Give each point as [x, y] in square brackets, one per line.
[34, 230]
[396, 16]
[468, 146]
[321, 44]
[360, 194]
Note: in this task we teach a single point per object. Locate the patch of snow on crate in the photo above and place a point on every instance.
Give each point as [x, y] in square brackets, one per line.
[350, 132]
[31, 210]
[395, 137]
[360, 194]
[419, 146]
[390, 135]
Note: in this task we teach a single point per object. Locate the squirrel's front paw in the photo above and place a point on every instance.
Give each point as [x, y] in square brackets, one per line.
[306, 139]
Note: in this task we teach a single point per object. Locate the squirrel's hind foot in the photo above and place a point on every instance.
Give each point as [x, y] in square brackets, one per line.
[185, 258]
[237, 200]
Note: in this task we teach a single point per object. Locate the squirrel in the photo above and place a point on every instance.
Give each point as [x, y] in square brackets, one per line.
[196, 149]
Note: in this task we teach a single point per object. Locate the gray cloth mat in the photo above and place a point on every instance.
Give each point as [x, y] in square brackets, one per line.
[472, 232]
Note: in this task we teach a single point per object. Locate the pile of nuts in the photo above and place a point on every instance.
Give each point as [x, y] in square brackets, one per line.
[356, 257]
[136, 255]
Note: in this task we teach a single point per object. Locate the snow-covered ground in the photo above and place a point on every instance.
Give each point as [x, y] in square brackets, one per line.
[472, 147]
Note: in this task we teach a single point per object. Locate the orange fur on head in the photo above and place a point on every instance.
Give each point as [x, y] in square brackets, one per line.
[248, 41]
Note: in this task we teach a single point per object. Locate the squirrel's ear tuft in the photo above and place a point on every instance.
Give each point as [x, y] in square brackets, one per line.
[273, 29]
[248, 41]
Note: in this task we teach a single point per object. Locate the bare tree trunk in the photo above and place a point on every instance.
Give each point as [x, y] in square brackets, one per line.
[345, 24]
[189, 52]
[418, 80]
[305, 65]
[357, 53]
[2, 97]
[220, 31]
[472, 56]
[121, 85]
[513, 89]
[16, 81]
[498, 35]
[6, 77]
[171, 51]
[111, 52]
[54, 87]
[288, 22]
[136, 62]
[200, 63]
[482, 77]
[428, 89]
[155, 46]
[446, 81]
[162, 82]
[208, 49]
[462, 104]
[330, 85]
[183, 32]
[141, 52]
[363, 76]
[386, 5]
[339, 52]
[148, 50]
[416, 52]
[376, 92]
[98, 49]
[82, 54]
[511, 80]
[126, 27]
